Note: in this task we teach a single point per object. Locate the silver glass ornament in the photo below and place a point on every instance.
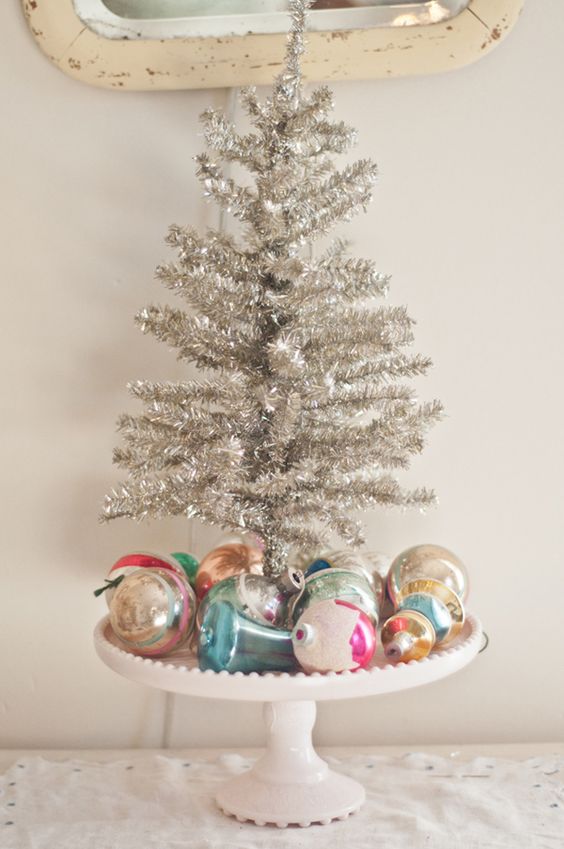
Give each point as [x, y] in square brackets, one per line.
[153, 611]
[427, 562]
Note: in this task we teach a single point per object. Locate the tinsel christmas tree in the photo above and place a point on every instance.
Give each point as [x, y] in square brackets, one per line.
[301, 415]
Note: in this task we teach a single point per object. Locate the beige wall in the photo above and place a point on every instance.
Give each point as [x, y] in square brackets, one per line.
[467, 217]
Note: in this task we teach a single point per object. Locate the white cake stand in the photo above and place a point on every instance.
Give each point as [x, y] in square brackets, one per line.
[290, 784]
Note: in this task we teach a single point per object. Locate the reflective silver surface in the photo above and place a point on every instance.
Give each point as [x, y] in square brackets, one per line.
[177, 18]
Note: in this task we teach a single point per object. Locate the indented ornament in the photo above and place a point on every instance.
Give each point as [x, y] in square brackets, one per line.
[130, 563]
[333, 636]
[329, 583]
[407, 635]
[438, 603]
[427, 562]
[265, 599]
[225, 561]
[428, 614]
[152, 611]
[235, 643]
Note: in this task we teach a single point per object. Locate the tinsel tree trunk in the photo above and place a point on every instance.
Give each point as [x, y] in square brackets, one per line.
[302, 414]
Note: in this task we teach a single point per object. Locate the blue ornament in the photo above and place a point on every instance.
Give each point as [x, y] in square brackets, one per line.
[228, 640]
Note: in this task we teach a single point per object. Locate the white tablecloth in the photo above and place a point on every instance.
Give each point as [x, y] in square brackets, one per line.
[417, 801]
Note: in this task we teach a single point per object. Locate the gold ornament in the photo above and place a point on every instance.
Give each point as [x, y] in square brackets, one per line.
[225, 561]
[427, 562]
[424, 596]
[407, 635]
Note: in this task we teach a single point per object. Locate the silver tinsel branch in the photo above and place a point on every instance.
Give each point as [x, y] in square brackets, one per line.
[302, 413]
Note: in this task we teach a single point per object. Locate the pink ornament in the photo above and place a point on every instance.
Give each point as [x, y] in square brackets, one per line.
[333, 636]
[363, 638]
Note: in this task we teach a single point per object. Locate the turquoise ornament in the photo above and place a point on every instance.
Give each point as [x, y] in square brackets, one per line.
[268, 600]
[339, 584]
[438, 603]
[433, 609]
[232, 642]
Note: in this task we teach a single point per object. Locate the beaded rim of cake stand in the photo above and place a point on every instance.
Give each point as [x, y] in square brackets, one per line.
[183, 657]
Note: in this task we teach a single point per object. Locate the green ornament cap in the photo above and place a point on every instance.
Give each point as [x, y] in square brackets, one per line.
[189, 565]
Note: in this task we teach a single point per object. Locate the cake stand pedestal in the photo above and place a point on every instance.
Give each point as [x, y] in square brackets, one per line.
[290, 784]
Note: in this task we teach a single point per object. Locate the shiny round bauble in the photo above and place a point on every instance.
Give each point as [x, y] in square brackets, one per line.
[438, 603]
[362, 563]
[407, 635]
[129, 563]
[430, 562]
[330, 583]
[333, 636]
[224, 562]
[189, 565]
[153, 611]
[231, 642]
[267, 600]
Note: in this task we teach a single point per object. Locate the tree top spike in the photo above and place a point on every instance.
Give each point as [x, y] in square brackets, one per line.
[291, 76]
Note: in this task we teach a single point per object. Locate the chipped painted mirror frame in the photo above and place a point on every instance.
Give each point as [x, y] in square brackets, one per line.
[90, 42]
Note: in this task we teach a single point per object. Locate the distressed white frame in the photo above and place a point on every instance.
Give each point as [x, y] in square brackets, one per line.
[143, 63]
[264, 16]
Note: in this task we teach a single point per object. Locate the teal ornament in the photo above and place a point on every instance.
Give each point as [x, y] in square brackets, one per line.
[232, 642]
[189, 564]
[338, 584]
[363, 563]
[433, 609]
[267, 600]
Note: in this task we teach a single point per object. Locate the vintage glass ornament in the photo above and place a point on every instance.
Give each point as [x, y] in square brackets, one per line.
[225, 561]
[353, 561]
[438, 603]
[429, 614]
[153, 611]
[230, 641]
[407, 635]
[189, 565]
[341, 584]
[333, 636]
[265, 599]
[427, 562]
[130, 563]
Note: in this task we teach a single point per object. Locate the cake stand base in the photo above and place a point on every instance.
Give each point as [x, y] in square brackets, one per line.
[290, 784]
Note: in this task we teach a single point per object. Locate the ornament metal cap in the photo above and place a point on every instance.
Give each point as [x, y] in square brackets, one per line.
[400, 645]
[303, 634]
[291, 581]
